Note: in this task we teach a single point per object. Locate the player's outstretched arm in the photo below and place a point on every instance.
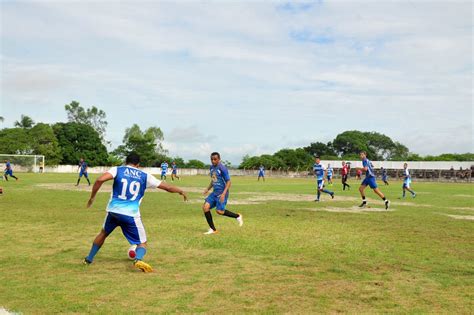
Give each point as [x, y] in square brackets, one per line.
[173, 189]
[208, 188]
[98, 183]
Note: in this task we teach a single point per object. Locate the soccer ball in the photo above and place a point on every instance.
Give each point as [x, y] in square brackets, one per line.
[131, 252]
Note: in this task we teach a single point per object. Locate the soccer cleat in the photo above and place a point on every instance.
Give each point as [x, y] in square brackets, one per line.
[211, 231]
[240, 219]
[413, 195]
[363, 204]
[387, 204]
[316, 200]
[86, 261]
[332, 195]
[143, 266]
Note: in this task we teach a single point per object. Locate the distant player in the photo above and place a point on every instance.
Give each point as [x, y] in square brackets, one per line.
[220, 184]
[164, 169]
[82, 168]
[370, 181]
[344, 175]
[320, 172]
[358, 174]
[174, 171]
[123, 209]
[261, 173]
[329, 172]
[384, 175]
[9, 171]
[407, 181]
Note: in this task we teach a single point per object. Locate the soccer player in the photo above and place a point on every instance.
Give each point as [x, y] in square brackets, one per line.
[344, 174]
[220, 184]
[370, 181]
[174, 171]
[329, 172]
[261, 173]
[320, 172]
[358, 173]
[407, 181]
[164, 169]
[9, 170]
[123, 209]
[82, 168]
[384, 175]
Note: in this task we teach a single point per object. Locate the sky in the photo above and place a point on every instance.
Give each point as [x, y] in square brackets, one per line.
[246, 77]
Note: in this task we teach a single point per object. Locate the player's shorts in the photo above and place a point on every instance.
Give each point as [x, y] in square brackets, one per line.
[163, 173]
[384, 178]
[261, 174]
[83, 173]
[369, 181]
[406, 183]
[214, 202]
[132, 227]
[344, 178]
[329, 177]
[9, 172]
[320, 183]
[174, 172]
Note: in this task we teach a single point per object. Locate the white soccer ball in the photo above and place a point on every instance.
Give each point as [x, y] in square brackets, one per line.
[132, 252]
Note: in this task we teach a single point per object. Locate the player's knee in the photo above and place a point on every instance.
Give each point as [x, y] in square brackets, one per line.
[221, 212]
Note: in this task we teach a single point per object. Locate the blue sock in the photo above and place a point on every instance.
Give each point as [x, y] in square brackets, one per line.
[141, 251]
[95, 248]
[327, 191]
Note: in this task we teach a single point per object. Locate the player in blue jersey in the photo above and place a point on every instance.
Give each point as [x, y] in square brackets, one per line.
[384, 175]
[369, 181]
[9, 171]
[164, 169]
[330, 173]
[407, 181]
[82, 168]
[174, 171]
[320, 172]
[220, 185]
[123, 209]
[261, 173]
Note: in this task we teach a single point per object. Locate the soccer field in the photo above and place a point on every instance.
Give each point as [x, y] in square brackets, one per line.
[292, 254]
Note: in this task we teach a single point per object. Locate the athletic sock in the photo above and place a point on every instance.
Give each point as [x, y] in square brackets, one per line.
[384, 198]
[319, 194]
[78, 181]
[140, 252]
[403, 194]
[88, 181]
[363, 200]
[209, 220]
[327, 191]
[230, 214]
[94, 249]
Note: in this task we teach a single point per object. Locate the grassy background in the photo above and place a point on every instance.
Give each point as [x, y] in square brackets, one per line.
[288, 257]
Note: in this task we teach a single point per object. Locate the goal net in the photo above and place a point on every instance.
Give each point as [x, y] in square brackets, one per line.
[23, 163]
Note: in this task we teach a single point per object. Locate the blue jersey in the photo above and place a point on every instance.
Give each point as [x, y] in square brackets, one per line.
[8, 166]
[164, 167]
[319, 171]
[128, 189]
[175, 167]
[83, 166]
[370, 168]
[219, 176]
[329, 171]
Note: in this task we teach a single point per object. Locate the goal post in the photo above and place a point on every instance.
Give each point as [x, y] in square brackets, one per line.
[28, 163]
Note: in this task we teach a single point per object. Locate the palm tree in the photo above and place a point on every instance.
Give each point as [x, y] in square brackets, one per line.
[25, 122]
[2, 119]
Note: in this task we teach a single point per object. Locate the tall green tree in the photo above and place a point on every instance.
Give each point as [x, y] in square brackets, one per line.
[44, 142]
[80, 140]
[91, 116]
[319, 148]
[25, 122]
[15, 141]
[195, 164]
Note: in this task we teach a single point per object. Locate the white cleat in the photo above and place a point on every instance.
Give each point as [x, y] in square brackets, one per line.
[211, 231]
[240, 219]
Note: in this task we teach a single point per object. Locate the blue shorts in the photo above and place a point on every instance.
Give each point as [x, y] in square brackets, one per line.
[9, 172]
[213, 200]
[329, 177]
[83, 173]
[261, 174]
[132, 227]
[369, 181]
[163, 173]
[384, 178]
[320, 183]
[174, 172]
[406, 183]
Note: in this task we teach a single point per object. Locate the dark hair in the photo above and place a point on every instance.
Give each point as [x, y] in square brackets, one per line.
[316, 156]
[132, 158]
[216, 153]
[363, 152]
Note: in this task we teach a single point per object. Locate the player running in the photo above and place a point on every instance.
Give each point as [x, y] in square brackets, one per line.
[164, 169]
[320, 172]
[384, 175]
[220, 184]
[261, 173]
[407, 181]
[329, 172]
[344, 175]
[174, 171]
[123, 209]
[9, 170]
[82, 168]
[370, 181]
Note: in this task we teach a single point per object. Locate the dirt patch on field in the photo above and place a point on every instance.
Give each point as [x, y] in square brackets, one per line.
[462, 208]
[354, 209]
[461, 217]
[465, 196]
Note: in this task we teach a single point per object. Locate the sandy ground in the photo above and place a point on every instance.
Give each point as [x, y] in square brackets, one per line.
[461, 217]
[354, 209]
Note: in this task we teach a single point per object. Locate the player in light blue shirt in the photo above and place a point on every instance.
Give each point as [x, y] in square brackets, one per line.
[174, 171]
[369, 181]
[220, 185]
[9, 171]
[407, 181]
[320, 172]
[123, 209]
[261, 173]
[330, 173]
[164, 169]
[83, 167]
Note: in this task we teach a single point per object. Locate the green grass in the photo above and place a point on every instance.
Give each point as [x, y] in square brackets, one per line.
[290, 256]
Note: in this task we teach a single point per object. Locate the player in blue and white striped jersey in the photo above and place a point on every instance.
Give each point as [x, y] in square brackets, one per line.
[320, 171]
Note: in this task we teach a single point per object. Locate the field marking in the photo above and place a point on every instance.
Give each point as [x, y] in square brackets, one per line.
[461, 217]
[353, 209]
[464, 196]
